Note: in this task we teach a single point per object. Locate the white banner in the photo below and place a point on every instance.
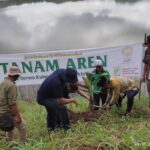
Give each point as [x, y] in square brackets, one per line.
[35, 67]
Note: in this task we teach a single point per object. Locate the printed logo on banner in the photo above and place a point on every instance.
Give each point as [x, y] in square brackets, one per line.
[127, 53]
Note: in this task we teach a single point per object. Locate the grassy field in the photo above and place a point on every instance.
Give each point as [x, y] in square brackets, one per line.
[110, 131]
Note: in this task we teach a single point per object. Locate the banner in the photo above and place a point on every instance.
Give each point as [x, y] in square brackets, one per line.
[35, 67]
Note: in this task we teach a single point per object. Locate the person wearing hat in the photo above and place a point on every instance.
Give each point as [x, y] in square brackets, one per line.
[51, 96]
[118, 86]
[98, 92]
[9, 114]
[146, 70]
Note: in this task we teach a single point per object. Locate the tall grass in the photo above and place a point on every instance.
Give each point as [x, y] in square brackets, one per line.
[110, 131]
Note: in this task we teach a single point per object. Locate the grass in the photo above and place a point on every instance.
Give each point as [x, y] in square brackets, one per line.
[110, 131]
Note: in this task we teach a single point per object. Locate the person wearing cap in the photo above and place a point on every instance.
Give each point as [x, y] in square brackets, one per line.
[51, 96]
[9, 114]
[118, 86]
[146, 70]
[98, 93]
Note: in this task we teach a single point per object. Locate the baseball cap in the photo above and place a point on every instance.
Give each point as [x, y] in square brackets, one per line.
[71, 75]
[98, 62]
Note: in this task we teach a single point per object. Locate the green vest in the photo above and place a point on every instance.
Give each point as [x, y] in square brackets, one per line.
[96, 77]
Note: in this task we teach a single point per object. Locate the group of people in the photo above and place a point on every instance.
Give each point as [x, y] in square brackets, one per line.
[53, 94]
[112, 90]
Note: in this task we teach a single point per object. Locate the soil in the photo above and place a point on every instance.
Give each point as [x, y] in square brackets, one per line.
[88, 116]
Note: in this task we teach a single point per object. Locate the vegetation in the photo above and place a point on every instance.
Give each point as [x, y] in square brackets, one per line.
[5, 3]
[110, 131]
[19, 2]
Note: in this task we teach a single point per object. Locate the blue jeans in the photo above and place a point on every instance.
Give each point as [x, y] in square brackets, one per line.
[57, 116]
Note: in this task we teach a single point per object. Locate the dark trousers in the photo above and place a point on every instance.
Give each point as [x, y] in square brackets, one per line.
[130, 99]
[57, 115]
[100, 96]
[57, 118]
[119, 101]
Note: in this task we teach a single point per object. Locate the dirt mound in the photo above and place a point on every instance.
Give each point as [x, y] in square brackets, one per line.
[88, 116]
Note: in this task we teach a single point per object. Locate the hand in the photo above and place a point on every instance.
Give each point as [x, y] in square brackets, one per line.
[106, 107]
[143, 79]
[75, 102]
[17, 119]
[73, 116]
[72, 112]
[135, 89]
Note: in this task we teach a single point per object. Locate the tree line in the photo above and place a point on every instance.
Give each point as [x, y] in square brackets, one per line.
[19, 2]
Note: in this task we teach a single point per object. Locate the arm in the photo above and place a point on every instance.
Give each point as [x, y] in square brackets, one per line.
[63, 101]
[112, 98]
[15, 113]
[12, 96]
[115, 96]
[82, 85]
[83, 95]
[109, 96]
[145, 72]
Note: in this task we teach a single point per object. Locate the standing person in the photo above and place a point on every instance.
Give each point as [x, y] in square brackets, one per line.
[99, 93]
[9, 113]
[117, 86]
[51, 95]
[146, 61]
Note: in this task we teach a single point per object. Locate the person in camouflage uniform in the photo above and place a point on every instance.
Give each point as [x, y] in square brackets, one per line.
[117, 86]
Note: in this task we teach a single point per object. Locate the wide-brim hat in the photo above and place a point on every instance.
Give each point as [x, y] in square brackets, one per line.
[13, 71]
[71, 75]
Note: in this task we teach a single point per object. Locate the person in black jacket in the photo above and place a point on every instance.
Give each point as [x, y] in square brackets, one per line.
[146, 61]
[51, 96]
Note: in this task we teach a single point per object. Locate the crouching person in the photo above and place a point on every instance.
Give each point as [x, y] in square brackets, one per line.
[51, 96]
[9, 113]
[116, 86]
[73, 88]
